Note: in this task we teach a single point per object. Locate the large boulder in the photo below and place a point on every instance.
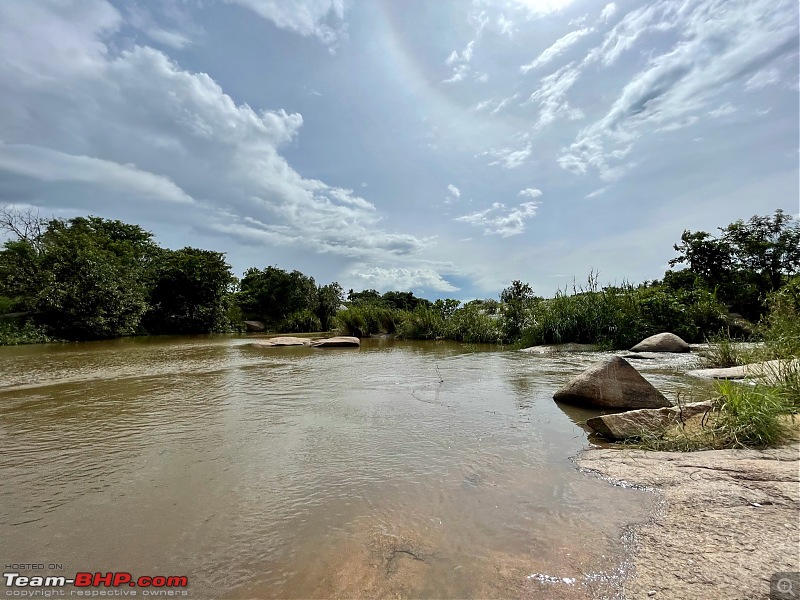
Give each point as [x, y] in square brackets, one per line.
[254, 326]
[636, 423]
[611, 383]
[283, 341]
[661, 342]
[337, 342]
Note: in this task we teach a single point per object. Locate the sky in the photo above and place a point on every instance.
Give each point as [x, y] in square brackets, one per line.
[446, 147]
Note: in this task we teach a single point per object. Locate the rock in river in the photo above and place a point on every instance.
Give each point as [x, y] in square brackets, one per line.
[283, 341]
[661, 342]
[254, 326]
[634, 423]
[611, 383]
[337, 342]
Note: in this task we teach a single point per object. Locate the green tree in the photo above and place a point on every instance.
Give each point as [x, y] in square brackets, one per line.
[517, 300]
[190, 293]
[329, 298]
[746, 262]
[273, 294]
[93, 278]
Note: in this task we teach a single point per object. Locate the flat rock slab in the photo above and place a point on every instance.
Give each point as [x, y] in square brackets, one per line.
[661, 342]
[728, 520]
[555, 348]
[611, 383]
[635, 423]
[283, 341]
[337, 342]
[770, 371]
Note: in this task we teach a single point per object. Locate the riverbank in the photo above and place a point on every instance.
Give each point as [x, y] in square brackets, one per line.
[727, 519]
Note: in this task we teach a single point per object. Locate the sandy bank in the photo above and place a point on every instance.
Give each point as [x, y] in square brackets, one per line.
[727, 522]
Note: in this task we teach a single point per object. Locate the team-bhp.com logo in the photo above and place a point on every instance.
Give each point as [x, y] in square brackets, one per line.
[95, 580]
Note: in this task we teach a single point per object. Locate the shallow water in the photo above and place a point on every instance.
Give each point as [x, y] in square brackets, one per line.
[400, 469]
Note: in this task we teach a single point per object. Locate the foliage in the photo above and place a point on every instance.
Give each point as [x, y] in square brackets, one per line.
[474, 324]
[92, 279]
[363, 320]
[301, 321]
[422, 323]
[744, 263]
[272, 294]
[14, 332]
[329, 299]
[621, 316]
[190, 293]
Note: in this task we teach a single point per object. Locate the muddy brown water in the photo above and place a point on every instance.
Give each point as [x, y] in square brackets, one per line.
[400, 469]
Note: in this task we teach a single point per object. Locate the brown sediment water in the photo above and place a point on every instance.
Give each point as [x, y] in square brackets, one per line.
[399, 469]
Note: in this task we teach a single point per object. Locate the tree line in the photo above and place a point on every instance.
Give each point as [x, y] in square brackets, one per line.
[92, 278]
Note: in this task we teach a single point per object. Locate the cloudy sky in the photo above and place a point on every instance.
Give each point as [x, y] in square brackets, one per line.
[443, 146]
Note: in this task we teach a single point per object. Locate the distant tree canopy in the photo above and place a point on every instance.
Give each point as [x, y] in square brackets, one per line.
[289, 301]
[746, 262]
[90, 278]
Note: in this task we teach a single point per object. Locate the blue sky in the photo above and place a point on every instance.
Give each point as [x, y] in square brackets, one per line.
[441, 146]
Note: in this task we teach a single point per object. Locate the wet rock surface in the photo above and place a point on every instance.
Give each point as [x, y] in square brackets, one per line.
[728, 520]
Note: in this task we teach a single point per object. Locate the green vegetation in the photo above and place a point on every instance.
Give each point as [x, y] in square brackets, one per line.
[760, 413]
[90, 278]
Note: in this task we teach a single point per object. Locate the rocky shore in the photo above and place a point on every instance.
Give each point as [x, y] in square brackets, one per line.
[728, 520]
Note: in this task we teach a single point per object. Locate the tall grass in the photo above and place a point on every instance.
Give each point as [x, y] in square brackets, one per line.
[621, 316]
[366, 319]
[752, 413]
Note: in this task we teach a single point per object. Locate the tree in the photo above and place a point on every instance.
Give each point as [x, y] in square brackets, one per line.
[191, 292]
[746, 262]
[329, 298]
[517, 299]
[273, 294]
[93, 277]
[517, 291]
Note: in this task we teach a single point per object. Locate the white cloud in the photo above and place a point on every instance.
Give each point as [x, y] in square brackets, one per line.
[723, 42]
[597, 192]
[168, 134]
[453, 194]
[609, 11]
[723, 111]
[385, 279]
[509, 158]
[502, 221]
[530, 193]
[323, 19]
[49, 165]
[460, 63]
[551, 96]
[559, 47]
[762, 79]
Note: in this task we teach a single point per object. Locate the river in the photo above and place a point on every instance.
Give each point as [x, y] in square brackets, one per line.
[399, 469]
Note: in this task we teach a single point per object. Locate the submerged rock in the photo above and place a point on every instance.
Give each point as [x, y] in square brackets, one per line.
[634, 423]
[611, 383]
[337, 342]
[283, 341]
